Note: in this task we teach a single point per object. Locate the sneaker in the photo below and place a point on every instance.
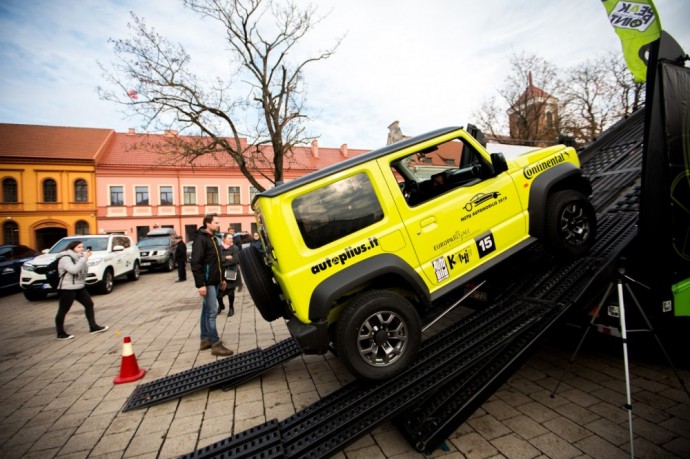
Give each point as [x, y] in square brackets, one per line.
[64, 336]
[99, 329]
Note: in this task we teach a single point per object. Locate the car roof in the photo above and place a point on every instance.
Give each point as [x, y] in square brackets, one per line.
[348, 163]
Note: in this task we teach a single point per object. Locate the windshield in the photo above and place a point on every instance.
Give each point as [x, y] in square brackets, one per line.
[154, 241]
[96, 244]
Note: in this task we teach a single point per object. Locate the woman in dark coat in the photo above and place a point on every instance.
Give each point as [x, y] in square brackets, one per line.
[229, 259]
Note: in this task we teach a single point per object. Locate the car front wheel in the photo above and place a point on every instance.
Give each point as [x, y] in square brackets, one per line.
[378, 335]
[134, 274]
[106, 284]
[35, 295]
[170, 265]
[571, 223]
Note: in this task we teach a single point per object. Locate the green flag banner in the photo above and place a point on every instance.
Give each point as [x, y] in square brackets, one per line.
[637, 25]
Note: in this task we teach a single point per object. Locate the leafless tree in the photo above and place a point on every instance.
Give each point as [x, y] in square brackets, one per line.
[539, 105]
[529, 96]
[258, 128]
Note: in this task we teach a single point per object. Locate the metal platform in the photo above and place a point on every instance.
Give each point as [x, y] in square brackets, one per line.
[456, 371]
[225, 373]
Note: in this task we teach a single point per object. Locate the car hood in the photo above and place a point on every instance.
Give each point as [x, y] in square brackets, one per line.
[46, 258]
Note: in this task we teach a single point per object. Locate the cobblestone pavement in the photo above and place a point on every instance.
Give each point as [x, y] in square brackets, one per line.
[57, 398]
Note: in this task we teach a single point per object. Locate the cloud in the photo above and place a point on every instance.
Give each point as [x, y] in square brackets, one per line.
[426, 64]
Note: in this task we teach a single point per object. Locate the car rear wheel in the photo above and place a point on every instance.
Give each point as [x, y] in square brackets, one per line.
[134, 274]
[570, 223]
[35, 295]
[259, 280]
[378, 335]
[105, 286]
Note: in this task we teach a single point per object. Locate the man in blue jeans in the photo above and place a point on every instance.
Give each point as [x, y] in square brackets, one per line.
[207, 269]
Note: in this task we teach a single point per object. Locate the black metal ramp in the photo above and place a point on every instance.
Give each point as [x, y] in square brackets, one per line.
[457, 368]
[228, 372]
[433, 419]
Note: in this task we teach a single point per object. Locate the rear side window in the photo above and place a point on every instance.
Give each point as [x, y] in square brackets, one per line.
[336, 210]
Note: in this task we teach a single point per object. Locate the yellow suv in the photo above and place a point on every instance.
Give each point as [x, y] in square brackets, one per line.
[357, 252]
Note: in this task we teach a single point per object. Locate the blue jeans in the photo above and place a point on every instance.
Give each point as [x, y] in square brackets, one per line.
[209, 312]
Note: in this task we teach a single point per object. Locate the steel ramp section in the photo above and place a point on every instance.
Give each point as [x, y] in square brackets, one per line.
[227, 372]
[340, 418]
[432, 420]
[262, 441]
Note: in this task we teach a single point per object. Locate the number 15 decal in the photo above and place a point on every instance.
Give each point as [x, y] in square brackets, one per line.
[485, 244]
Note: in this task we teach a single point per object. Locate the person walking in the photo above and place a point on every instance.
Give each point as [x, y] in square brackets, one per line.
[72, 270]
[207, 269]
[256, 243]
[181, 259]
[229, 258]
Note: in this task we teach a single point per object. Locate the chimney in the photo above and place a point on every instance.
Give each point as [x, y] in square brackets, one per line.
[315, 148]
[394, 132]
[131, 131]
[343, 150]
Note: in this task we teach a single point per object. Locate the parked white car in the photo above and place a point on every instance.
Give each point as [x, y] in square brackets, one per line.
[113, 255]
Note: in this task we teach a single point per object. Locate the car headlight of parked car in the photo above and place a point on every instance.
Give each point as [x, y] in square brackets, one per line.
[93, 262]
[28, 267]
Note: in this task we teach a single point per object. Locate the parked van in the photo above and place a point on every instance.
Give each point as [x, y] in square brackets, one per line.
[158, 249]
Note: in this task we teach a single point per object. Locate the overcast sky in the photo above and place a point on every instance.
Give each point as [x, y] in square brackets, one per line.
[427, 64]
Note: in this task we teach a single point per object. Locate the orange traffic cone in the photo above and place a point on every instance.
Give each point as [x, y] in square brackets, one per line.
[129, 368]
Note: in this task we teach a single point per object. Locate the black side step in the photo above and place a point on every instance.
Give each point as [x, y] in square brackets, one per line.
[228, 373]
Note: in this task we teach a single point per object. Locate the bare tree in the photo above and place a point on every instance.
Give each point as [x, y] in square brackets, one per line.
[588, 98]
[256, 129]
[630, 95]
[529, 96]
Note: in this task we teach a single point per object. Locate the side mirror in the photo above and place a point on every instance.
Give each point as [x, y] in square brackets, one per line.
[499, 163]
[118, 248]
[45, 250]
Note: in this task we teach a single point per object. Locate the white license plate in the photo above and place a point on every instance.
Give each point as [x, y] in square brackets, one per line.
[146, 264]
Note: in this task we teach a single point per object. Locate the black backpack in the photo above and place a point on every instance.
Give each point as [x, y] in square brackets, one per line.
[52, 274]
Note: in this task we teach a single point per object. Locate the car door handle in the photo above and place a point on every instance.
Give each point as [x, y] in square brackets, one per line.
[427, 224]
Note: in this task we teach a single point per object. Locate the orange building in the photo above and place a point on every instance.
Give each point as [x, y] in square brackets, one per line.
[59, 181]
[48, 182]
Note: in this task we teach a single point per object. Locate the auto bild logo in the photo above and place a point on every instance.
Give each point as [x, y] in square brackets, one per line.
[541, 166]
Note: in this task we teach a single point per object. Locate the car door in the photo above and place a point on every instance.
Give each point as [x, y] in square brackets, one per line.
[457, 228]
[9, 274]
[119, 257]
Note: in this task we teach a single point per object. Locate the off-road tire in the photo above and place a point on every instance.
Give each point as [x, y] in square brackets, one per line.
[375, 322]
[571, 223]
[259, 281]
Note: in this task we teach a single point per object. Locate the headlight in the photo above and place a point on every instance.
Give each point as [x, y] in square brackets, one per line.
[93, 262]
[28, 267]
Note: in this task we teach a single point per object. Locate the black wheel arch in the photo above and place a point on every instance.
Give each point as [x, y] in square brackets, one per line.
[386, 269]
[562, 177]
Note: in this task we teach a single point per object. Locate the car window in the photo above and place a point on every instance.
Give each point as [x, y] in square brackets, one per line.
[154, 241]
[336, 210]
[96, 244]
[6, 253]
[431, 172]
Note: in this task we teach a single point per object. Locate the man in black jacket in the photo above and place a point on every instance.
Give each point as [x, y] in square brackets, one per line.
[207, 269]
[181, 259]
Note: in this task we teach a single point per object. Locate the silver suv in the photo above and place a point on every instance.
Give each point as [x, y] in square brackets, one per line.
[113, 255]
